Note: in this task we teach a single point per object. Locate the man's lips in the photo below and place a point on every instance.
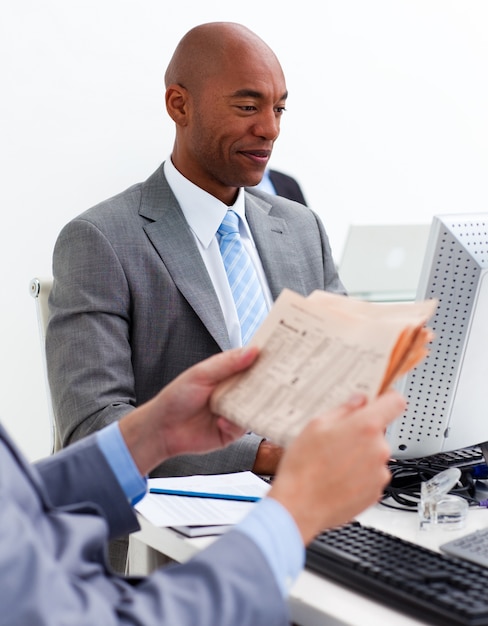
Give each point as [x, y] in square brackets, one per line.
[261, 156]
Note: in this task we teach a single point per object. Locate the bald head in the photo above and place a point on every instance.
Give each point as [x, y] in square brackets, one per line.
[209, 48]
[226, 93]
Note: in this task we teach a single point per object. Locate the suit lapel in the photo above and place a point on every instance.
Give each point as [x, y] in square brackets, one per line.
[276, 246]
[174, 242]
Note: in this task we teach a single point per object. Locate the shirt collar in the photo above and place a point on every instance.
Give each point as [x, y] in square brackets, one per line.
[203, 212]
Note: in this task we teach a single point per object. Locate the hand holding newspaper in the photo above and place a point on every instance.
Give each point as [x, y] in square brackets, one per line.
[315, 352]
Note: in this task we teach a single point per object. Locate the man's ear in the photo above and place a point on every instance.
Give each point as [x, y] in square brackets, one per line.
[177, 98]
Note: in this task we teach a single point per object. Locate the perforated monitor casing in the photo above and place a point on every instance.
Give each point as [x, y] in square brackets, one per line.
[447, 393]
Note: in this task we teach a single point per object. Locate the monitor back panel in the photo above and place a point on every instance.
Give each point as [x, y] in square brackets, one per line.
[447, 392]
[382, 262]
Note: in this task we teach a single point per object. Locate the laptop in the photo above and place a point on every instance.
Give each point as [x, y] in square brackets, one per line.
[382, 262]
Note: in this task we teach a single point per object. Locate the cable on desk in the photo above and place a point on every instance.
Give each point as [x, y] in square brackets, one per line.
[407, 476]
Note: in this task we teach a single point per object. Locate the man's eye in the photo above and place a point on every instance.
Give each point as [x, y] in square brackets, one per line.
[248, 107]
[280, 110]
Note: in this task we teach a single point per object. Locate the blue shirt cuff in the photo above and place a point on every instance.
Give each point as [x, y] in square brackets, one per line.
[113, 446]
[274, 530]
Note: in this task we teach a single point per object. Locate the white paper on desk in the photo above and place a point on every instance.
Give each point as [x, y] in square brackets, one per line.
[164, 510]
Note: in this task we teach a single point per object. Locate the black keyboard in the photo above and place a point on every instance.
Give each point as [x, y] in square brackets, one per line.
[425, 584]
[463, 458]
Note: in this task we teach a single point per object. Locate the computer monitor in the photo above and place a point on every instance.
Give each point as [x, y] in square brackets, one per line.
[382, 262]
[447, 393]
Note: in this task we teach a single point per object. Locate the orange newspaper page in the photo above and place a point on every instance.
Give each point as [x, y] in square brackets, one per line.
[317, 351]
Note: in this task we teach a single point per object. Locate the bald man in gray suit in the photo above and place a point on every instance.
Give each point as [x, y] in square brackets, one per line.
[133, 305]
[140, 292]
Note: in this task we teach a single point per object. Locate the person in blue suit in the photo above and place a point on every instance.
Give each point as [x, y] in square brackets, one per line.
[58, 515]
[282, 184]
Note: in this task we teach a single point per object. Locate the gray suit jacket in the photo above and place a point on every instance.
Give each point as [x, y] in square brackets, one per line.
[132, 305]
[54, 524]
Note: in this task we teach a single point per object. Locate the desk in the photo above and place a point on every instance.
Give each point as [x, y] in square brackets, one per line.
[314, 601]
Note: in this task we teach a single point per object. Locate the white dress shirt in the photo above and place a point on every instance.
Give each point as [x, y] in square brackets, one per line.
[204, 214]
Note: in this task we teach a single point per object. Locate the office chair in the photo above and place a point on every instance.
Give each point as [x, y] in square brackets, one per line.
[40, 289]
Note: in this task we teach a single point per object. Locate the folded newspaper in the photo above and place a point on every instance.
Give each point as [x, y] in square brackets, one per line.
[315, 352]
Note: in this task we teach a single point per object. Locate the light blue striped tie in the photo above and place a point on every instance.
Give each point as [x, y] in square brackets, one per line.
[243, 280]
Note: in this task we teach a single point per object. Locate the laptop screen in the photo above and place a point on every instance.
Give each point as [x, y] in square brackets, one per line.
[382, 262]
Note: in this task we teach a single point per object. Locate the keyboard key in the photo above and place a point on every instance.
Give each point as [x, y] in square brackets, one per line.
[472, 547]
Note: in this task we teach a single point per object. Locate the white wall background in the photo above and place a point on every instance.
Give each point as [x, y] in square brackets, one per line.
[387, 121]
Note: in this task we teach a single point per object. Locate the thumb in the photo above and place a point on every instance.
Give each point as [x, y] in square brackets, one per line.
[221, 366]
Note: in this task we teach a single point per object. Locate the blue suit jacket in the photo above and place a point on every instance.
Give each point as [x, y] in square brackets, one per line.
[54, 524]
[287, 186]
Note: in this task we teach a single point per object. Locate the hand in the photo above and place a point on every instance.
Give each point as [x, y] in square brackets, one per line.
[267, 458]
[179, 420]
[337, 466]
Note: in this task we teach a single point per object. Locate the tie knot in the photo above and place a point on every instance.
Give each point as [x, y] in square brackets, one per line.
[230, 224]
